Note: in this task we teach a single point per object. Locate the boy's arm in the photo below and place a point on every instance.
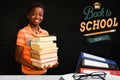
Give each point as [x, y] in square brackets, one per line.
[21, 60]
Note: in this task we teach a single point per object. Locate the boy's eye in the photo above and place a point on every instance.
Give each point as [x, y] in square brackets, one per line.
[40, 14]
[33, 14]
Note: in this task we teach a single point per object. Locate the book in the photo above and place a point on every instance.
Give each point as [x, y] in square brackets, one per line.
[37, 47]
[97, 64]
[89, 70]
[97, 58]
[41, 62]
[44, 56]
[92, 61]
[44, 51]
[86, 63]
[44, 60]
[40, 47]
[44, 38]
[41, 43]
[37, 64]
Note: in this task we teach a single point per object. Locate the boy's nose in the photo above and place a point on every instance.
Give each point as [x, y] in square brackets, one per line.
[37, 16]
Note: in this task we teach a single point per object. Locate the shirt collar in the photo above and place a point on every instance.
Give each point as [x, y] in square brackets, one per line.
[31, 32]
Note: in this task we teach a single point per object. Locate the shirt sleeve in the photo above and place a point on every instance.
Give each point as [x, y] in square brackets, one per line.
[20, 38]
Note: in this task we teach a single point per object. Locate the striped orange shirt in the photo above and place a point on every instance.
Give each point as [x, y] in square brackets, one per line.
[23, 39]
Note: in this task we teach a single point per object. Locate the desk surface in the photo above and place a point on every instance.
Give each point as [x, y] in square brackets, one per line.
[49, 77]
[29, 77]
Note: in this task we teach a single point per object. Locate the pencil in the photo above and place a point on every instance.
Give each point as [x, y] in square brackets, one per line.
[101, 32]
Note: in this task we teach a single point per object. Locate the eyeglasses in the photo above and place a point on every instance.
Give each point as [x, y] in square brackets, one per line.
[94, 75]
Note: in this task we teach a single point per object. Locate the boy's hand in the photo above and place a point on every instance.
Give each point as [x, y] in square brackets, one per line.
[37, 68]
[55, 65]
[34, 51]
[49, 66]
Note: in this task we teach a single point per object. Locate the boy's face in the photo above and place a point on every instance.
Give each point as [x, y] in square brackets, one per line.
[36, 16]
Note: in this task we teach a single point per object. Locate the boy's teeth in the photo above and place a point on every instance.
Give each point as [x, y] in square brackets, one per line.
[36, 20]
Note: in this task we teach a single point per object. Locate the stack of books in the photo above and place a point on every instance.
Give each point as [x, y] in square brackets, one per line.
[92, 63]
[44, 51]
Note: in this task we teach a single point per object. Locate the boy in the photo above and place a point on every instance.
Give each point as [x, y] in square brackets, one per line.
[33, 29]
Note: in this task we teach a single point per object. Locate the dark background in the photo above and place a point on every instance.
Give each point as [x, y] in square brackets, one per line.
[62, 18]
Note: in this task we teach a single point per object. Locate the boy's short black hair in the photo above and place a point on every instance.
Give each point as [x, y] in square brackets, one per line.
[31, 6]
